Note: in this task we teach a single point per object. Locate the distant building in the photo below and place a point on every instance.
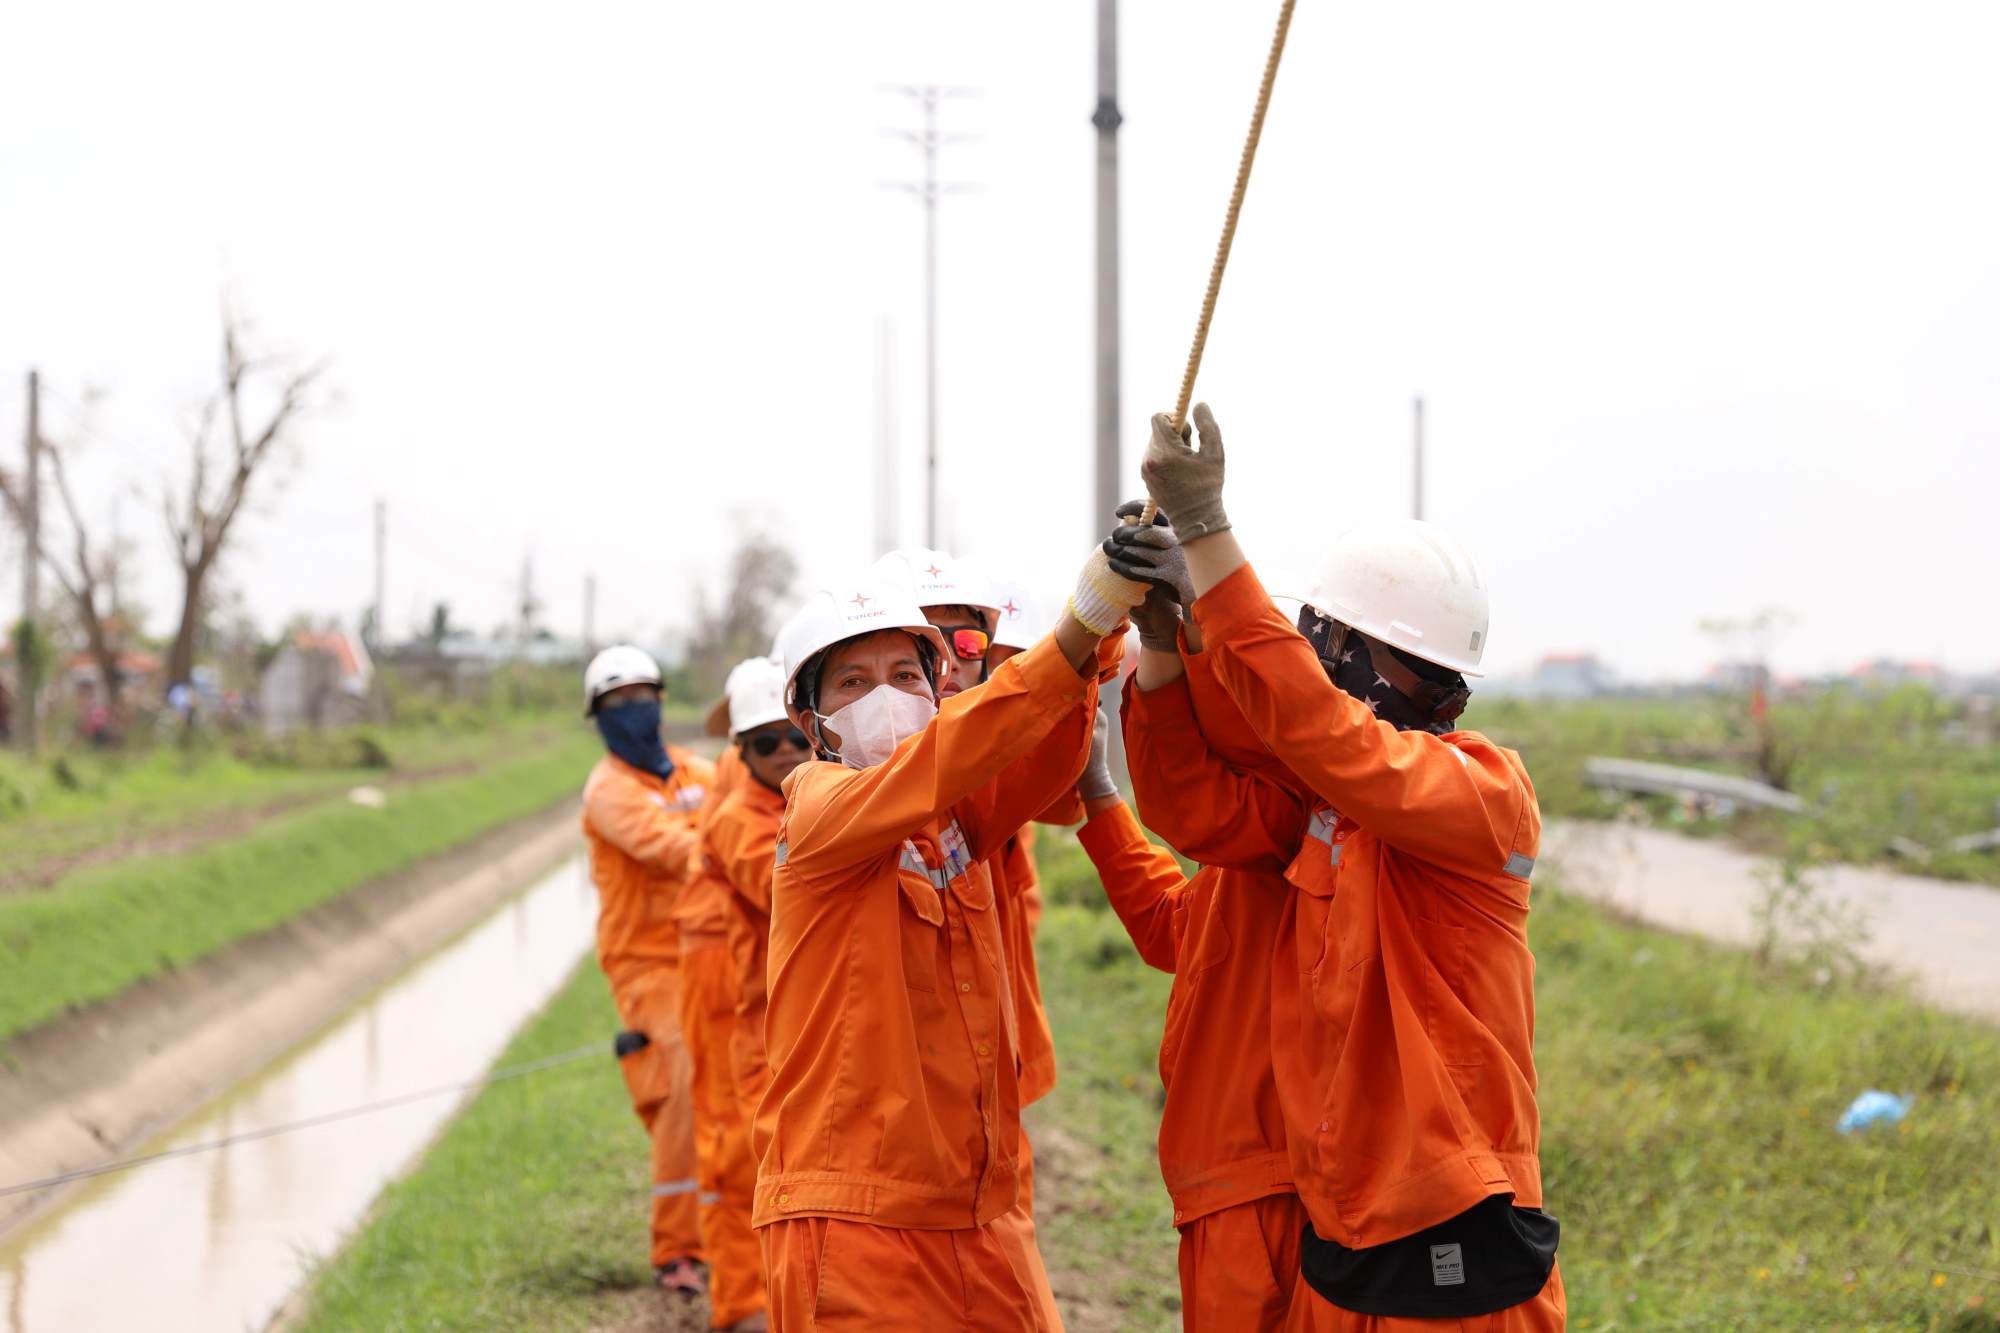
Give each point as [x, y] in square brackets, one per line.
[1886, 673]
[1566, 676]
[320, 678]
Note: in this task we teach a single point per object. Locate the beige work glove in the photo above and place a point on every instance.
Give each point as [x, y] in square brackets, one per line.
[1102, 598]
[1187, 482]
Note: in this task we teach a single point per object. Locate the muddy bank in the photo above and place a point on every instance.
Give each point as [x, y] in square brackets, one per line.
[79, 1091]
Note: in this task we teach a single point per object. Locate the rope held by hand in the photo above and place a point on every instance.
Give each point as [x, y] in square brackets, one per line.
[1229, 226]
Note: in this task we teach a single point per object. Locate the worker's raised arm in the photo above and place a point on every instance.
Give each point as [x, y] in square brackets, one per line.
[1191, 795]
[1461, 802]
[638, 821]
[1143, 882]
[1037, 782]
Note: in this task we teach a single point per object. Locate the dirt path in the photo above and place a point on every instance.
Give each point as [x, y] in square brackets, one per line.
[1942, 937]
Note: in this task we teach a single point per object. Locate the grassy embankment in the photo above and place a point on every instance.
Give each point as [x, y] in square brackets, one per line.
[110, 922]
[1873, 768]
[1689, 1105]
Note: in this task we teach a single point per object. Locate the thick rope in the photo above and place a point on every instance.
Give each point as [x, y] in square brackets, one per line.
[1229, 226]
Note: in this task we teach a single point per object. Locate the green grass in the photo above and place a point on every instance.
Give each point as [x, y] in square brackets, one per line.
[532, 1204]
[79, 802]
[104, 927]
[1689, 1100]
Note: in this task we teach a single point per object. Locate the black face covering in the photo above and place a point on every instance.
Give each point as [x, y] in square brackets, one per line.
[1354, 672]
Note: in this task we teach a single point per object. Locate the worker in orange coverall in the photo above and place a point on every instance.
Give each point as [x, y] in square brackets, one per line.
[888, 1142]
[641, 813]
[1207, 784]
[966, 608]
[1402, 1002]
[740, 839]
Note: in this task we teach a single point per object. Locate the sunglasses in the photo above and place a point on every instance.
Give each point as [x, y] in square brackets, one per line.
[967, 644]
[767, 744]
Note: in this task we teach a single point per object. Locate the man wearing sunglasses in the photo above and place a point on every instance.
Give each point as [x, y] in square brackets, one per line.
[740, 840]
[957, 599]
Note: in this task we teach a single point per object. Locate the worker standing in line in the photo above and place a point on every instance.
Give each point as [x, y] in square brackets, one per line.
[640, 810]
[740, 838]
[966, 609]
[1205, 783]
[888, 1142]
[1403, 1049]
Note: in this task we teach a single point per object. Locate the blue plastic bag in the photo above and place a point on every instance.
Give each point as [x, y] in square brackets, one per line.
[1874, 1107]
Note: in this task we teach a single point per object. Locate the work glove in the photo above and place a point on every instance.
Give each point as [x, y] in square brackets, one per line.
[1187, 483]
[1095, 781]
[1151, 555]
[1102, 598]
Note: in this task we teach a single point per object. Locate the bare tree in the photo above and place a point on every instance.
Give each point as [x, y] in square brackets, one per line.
[228, 451]
[89, 576]
[760, 577]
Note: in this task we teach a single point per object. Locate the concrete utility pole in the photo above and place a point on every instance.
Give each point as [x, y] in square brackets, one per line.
[381, 577]
[929, 190]
[1107, 119]
[28, 670]
[589, 614]
[888, 525]
[1417, 498]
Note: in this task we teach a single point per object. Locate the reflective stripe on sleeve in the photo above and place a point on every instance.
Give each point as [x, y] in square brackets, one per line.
[1519, 866]
[667, 1189]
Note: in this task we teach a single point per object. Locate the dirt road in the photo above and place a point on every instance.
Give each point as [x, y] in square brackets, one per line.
[1943, 937]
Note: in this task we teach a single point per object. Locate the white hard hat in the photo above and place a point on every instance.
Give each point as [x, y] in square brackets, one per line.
[1410, 584]
[620, 664]
[936, 578]
[846, 611]
[1020, 622]
[756, 694]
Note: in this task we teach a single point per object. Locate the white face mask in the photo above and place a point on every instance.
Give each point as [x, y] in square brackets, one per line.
[873, 725]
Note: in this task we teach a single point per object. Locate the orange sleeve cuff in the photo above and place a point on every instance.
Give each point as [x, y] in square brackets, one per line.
[1110, 831]
[1170, 704]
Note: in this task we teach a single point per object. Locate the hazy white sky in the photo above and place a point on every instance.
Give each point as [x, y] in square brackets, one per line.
[1705, 298]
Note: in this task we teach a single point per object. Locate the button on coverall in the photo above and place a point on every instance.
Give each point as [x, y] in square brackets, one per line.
[1206, 784]
[888, 1143]
[1402, 1005]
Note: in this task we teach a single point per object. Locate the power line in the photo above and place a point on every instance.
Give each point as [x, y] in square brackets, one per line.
[310, 1122]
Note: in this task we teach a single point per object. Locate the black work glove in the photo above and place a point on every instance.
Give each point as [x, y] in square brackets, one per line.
[1149, 555]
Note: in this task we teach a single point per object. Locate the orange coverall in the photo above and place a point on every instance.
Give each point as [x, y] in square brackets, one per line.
[1403, 1006]
[1017, 896]
[1206, 784]
[740, 840]
[888, 1142]
[660, 941]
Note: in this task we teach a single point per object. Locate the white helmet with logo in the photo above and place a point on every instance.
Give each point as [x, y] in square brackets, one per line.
[935, 578]
[846, 611]
[1020, 623]
[620, 664]
[1410, 584]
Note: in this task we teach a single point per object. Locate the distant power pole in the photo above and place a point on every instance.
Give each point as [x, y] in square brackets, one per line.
[887, 497]
[29, 672]
[381, 576]
[1107, 119]
[929, 190]
[589, 614]
[1417, 426]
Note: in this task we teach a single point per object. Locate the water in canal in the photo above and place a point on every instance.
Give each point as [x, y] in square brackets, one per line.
[218, 1240]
